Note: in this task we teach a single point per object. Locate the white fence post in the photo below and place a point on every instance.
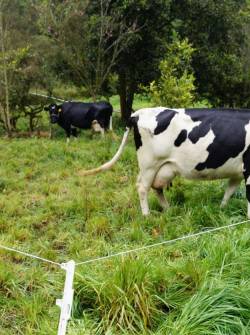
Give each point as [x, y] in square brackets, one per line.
[66, 302]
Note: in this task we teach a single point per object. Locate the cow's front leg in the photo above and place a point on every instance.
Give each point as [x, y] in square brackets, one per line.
[248, 197]
[68, 133]
[74, 133]
[232, 185]
[246, 172]
[144, 183]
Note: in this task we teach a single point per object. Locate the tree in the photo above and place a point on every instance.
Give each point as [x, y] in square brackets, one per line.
[138, 63]
[90, 38]
[216, 30]
[22, 65]
[175, 87]
[4, 106]
[100, 38]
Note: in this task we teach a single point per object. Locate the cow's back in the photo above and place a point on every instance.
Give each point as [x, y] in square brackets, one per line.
[82, 114]
[76, 113]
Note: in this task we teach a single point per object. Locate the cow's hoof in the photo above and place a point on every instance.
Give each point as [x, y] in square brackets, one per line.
[223, 205]
[146, 213]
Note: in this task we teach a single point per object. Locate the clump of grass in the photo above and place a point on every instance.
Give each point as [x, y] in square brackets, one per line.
[218, 308]
[124, 300]
[99, 226]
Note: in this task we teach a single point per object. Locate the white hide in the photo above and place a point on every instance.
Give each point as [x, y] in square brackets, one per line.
[157, 150]
[160, 160]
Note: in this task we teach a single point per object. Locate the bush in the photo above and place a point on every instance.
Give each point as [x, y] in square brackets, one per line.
[175, 88]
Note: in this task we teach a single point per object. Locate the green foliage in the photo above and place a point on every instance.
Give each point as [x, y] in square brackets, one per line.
[115, 47]
[24, 62]
[218, 30]
[175, 87]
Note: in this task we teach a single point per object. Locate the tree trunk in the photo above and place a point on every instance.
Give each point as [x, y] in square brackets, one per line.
[126, 92]
[31, 126]
[130, 98]
[123, 95]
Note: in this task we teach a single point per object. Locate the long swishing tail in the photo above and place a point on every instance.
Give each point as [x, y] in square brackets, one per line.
[110, 163]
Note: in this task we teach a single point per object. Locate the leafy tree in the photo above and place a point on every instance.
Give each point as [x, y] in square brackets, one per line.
[139, 61]
[175, 87]
[90, 37]
[4, 107]
[19, 66]
[99, 39]
[216, 30]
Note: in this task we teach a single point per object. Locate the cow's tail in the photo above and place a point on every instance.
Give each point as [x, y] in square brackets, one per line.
[110, 163]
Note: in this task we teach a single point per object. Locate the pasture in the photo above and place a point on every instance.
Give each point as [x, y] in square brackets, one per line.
[198, 286]
[136, 54]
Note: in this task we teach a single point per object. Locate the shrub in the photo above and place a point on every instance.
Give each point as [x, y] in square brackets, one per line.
[175, 87]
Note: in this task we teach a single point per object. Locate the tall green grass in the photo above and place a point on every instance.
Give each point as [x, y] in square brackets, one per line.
[196, 286]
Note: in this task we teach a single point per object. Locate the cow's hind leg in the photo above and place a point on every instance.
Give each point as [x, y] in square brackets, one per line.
[246, 162]
[144, 183]
[163, 179]
[232, 185]
[161, 198]
[110, 123]
[97, 127]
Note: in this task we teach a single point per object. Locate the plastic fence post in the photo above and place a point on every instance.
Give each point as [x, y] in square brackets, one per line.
[66, 302]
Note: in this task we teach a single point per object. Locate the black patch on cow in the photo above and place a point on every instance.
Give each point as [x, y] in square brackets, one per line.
[163, 120]
[137, 136]
[248, 192]
[181, 138]
[228, 126]
[199, 131]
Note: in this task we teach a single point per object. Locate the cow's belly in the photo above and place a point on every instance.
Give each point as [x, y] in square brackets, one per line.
[82, 124]
[186, 163]
[232, 169]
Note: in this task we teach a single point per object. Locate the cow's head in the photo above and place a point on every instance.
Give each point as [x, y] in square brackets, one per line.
[54, 111]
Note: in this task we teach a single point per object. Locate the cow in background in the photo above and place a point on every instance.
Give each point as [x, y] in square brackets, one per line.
[72, 115]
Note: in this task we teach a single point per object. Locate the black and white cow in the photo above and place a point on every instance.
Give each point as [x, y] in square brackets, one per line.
[72, 115]
[193, 143]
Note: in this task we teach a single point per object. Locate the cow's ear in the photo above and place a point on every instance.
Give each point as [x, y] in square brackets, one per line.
[46, 108]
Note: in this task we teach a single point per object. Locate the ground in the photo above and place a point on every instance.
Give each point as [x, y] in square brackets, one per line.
[197, 286]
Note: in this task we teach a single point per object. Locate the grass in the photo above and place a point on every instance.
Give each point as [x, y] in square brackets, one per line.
[197, 286]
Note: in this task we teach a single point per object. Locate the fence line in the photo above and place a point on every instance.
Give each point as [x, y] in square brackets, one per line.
[161, 243]
[122, 253]
[29, 255]
[66, 302]
[46, 96]
[51, 97]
